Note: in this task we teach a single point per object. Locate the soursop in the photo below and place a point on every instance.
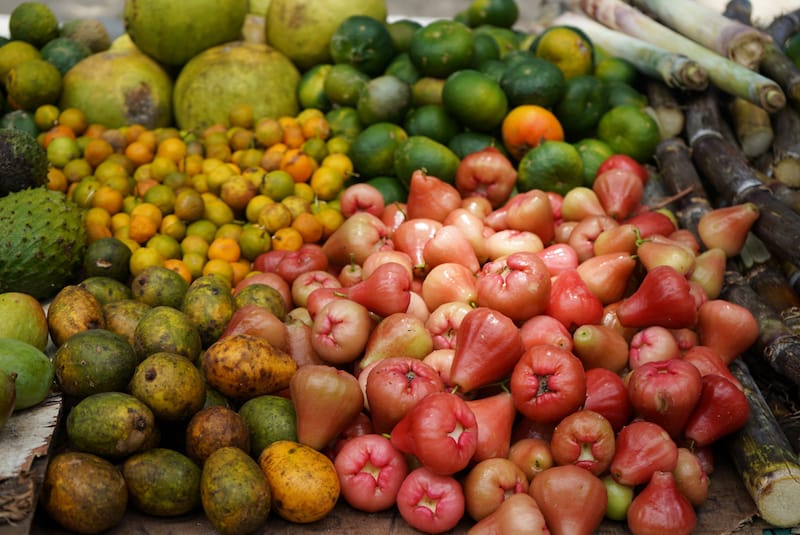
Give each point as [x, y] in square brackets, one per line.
[23, 162]
[42, 243]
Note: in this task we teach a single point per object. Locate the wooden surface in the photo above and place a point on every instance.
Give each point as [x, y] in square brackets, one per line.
[25, 442]
[729, 510]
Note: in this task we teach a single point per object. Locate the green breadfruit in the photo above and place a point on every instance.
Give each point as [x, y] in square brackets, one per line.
[23, 162]
[43, 242]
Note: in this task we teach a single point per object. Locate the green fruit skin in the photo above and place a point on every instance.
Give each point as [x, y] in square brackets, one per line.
[34, 371]
[209, 305]
[106, 289]
[234, 73]
[110, 424]
[162, 482]
[94, 361]
[174, 32]
[302, 29]
[159, 286]
[8, 395]
[234, 492]
[119, 87]
[269, 418]
[262, 295]
[163, 328]
[23, 162]
[23, 318]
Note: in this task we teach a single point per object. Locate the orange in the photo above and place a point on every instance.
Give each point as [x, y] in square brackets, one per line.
[139, 153]
[309, 227]
[224, 248]
[526, 126]
[287, 239]
[172, 148]
[74, 119]
[240, 270]
[179, 266]
[108, 198]
[219, 267]
[141, 228]
[56, 179]
[96, 151]
[57, 131]
[298, 164]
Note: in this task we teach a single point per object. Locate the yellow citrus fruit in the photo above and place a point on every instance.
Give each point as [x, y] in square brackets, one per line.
[33, 83]
[569, 48]
[34, 23]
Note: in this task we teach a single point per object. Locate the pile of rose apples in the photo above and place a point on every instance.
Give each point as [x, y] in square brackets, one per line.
[534, 361]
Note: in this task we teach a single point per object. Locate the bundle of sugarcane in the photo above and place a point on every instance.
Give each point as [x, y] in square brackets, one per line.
[729, 76]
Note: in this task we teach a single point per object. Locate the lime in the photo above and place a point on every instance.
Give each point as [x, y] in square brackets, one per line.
[441, 48]
[484, 48]
[433, 121]
[533, 81]
[629, 130]
[363, 42]
[494, 68]
[593, 153]
[372, 151]
[507, 39]
[551, 166]
[421, 152]
[515, 57]
[620, 93]
[401, 31]
[343, 84]
[385, 98]
[64, 53]
[584, 101]
[15, 52]
[402, 67]
[311, 88]
[277, 185]
[427, 90]
[614, 69]
[390, 187]
[34, 23]
[501, 13]
[465, 143]
[343, 122]
[568, 47]
[475, 100]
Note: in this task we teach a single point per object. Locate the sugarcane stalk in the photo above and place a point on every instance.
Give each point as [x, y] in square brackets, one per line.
[768, 281]
[786, 147]
[724, 166]
[666, 108]
[787, 195]
[740, 10]
[682, 180]
[675, 70]
[776, 343]
[764, 459]
[784, 26]
[729, 76]
[730, 38]
[775, 64]
[752, 126]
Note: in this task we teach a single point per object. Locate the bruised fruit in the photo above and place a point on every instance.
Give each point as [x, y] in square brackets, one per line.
[83, 492]
[123, 316]
[234, 492]
[162, 482]
[242, 366]
[34, 371]
[269, 418]
[158, 285]
[164, 328]
[72, 310]
[212, 428]
[170, 384]
[209, 305]
[106, 289]
[110, 424]
[93, 361]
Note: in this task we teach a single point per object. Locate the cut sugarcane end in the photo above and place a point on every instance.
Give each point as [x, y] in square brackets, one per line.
[787, 170]
[778, 495]
[773, 99]
[747, 51]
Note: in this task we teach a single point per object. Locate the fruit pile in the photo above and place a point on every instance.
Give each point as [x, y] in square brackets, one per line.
[433, 281]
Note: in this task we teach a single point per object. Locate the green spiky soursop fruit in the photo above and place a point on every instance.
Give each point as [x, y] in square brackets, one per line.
[42, 244]
[23, 162]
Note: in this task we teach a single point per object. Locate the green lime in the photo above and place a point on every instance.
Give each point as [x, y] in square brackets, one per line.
[466, 142]
[253, 241]
[566, 46]
[390, 187]
[343, 84]
[593, 153]
[14, 53]
[277, 185]
[507, 39]
[311, 88]
[401, 32]
[421, 152]
[585, 100]
[33, 83]
[501, 13]
[64, 53]
[402, 67]
[372, 150]
[494, 68]
[34, 23]
[433, 121]
[629, 130]
[621, 93]
[534, 81]
[427, 90]
[475, 100]
[385, 98]
[363, 42]
[441, 48]
[614, 69]
[343, 122]
[484, 48]
[516, 57]
[551, 166]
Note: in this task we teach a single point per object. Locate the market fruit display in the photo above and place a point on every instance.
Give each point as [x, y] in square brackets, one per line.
[396, 268]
